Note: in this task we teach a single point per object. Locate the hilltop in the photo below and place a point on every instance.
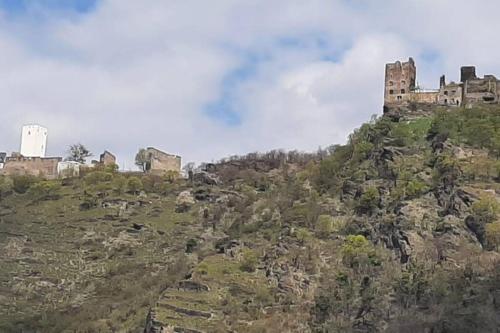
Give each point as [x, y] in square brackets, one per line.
[395, 231]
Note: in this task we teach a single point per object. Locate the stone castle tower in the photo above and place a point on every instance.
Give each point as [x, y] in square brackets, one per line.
[400, 81]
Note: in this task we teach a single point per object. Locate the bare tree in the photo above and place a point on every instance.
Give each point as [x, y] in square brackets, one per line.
[189, 170]
[78, 153]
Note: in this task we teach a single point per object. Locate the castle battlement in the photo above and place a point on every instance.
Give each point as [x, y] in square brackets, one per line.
[401, 89]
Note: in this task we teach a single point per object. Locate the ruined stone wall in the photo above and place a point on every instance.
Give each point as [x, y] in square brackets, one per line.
[424, 97]
[481, 90]
[162, 162]
[467, 73]
[400, 89]
[450, 94]
[35, 166]
[107, 158]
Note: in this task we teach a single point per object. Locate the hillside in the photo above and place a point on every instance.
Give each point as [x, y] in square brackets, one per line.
[398, 230]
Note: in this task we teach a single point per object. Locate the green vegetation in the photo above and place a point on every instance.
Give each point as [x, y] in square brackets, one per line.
[369, 200]
[134, 185]
[493, 235]
[45, 190]
[6, 186]
[249, 261]
[21, 184]
[395, 231]
[357, 251]
[325, 226]
[78, 153]
[486, 209]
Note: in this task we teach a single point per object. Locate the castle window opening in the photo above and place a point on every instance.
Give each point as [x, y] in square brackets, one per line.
[446, 92]
[399, 97]
[402, 91]
[403, 82]
[391, 92]
[445, 101]
[391, 83]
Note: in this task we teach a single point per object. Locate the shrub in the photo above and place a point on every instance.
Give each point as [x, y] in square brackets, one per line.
[171, 176]
[369, 200]
[249, 261]
[415, 188]
[362, 150]
[446, 170]
[6, 185]
[96, 177]
[45, 190]
[486, 209]
[153, 183]
[325, 226]
[119, 184]
[112, 168]
[331, 167]
[303, 235]
[191, 244]
[134, 185]
[263, 296]
[21, 184]
[357, 251]
[401, 135]
[89, 201]
[493, 235]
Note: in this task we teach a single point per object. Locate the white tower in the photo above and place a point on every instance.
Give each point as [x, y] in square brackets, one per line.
[33, 141]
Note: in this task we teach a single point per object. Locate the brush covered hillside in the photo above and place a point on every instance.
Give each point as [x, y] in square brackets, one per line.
[396, 231]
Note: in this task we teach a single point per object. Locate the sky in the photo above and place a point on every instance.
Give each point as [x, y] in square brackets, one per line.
[210, 79]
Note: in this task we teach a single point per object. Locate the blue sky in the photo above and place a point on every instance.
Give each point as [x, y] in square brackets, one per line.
[208, 79]
[24, 6]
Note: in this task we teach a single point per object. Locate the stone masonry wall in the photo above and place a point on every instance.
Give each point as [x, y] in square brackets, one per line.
[162, 162]
[35, 166]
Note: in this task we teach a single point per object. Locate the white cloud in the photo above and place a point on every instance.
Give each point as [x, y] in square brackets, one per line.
[140, 73]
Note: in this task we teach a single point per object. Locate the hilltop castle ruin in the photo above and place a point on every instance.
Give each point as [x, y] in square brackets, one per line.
[401, 87]
[32, 161]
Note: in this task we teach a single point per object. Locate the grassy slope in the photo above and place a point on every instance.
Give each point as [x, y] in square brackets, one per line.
[92, 265]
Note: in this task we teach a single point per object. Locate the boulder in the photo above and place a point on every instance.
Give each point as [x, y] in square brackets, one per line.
[192, 286]
[206, 178]
[184, 202]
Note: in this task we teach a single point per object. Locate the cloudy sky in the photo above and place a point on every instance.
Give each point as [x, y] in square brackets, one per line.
[208, 79]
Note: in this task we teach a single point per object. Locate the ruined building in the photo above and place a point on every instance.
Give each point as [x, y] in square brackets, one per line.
[31, 160]
[401, 87]
[107, 158]
[159, 161]
[17, 164]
